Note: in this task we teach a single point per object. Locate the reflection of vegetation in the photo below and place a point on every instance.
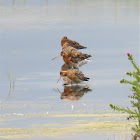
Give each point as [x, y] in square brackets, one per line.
[135, 112]
[12, 82]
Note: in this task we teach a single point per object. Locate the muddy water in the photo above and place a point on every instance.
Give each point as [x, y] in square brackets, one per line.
[30, 33]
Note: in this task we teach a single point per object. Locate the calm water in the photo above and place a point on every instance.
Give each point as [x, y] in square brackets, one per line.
[30, 34]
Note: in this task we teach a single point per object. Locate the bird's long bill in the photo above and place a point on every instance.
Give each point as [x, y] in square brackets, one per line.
[59, 79]
[56, 57]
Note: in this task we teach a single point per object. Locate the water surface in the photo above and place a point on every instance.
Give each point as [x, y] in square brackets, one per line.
[30, 34]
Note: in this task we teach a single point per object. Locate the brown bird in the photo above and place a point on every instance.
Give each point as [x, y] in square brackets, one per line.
[65, 66]
[71, 51]
[71, 43]
[68, 63]
[66, 50]
[74, 92]
[74, 75]
[74, 55]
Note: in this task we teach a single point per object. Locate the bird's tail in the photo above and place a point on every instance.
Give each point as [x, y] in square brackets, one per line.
[82, 47]
[79, 47]
[87, 90]
[85, 56]
[88, 55]
[86, 78]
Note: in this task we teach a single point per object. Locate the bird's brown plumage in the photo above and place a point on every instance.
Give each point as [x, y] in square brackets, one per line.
[74, 75]
[71, 43]
[68, 63]
[74, 55]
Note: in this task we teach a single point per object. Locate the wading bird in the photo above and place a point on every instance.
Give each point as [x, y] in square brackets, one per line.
[74, 75]
[71, 43]
[75, 56]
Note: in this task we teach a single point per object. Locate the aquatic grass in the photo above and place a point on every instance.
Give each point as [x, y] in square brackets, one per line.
[12, 82]
[134, 112]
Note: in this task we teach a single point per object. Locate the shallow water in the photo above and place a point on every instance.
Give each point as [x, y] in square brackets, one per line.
[30, 34]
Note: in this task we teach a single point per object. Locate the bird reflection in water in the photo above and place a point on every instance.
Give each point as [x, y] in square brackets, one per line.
[74, 92]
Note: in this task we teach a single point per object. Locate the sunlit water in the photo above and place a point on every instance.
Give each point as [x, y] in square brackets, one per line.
[30, 34]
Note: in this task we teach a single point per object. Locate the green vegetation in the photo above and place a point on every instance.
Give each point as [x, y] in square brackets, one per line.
[134, 112]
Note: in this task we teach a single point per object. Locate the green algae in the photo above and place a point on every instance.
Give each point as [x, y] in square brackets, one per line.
[78, 126]
[105, 123]
[46, 114]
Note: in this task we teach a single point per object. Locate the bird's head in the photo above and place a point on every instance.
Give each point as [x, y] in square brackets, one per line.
[63, 73]
[63, 40]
